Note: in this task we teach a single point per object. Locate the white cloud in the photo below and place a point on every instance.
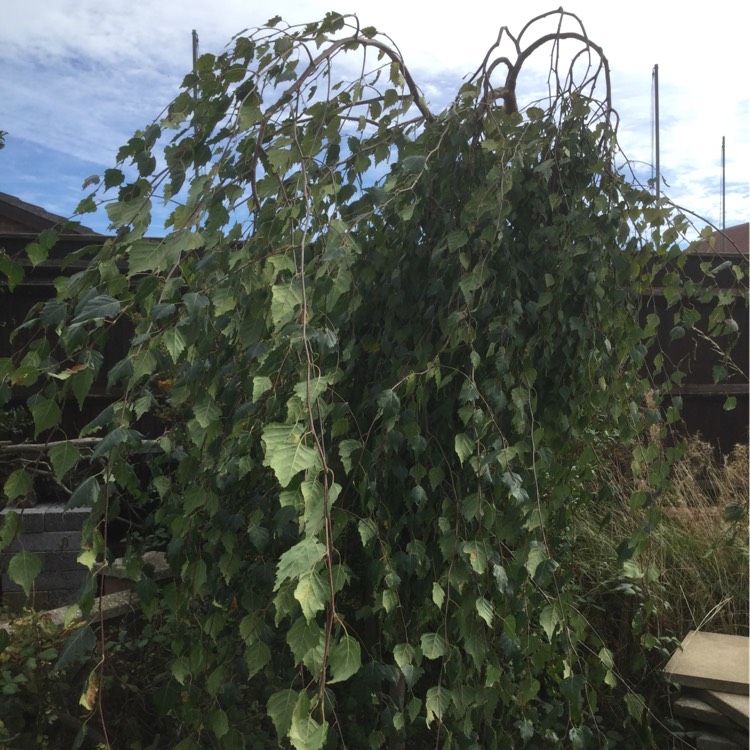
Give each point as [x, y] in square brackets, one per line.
[80, 76]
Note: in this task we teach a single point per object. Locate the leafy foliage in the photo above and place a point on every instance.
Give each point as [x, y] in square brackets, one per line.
[377, 352]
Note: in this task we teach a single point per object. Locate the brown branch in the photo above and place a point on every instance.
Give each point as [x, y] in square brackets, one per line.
[8, 447]
[510, 81]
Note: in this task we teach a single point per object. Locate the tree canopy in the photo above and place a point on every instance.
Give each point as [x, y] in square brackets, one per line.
[375, 366]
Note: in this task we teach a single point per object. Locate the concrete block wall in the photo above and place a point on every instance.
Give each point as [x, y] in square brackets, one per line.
[55, 535]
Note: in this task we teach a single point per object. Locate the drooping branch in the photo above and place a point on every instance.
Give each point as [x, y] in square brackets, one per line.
[507, 92]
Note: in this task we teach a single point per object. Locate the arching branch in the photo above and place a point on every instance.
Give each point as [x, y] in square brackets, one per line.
[507, 92]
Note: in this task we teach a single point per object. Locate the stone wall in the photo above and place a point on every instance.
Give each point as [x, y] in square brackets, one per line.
[55, 535]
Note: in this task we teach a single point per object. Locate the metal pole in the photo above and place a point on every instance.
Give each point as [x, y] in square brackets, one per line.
[723, 193]
[656, 132]
[195, 88]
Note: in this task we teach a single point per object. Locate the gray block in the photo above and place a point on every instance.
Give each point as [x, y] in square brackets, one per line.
[59, 519]
[39, 600]
[50, 560]
[52, 579]
[48, 541]
[33, 518]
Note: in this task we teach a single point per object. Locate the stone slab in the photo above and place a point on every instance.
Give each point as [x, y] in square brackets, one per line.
[106, 607]
[153, 559]
[110, 605]
[735, 707]
[711, 661]
[714, 741]
[692, 707]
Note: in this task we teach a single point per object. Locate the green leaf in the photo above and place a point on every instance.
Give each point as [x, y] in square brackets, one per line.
[143, 256]
[85, 495]
[305, 733]
[413, 164]
[580, 738]
[304, 636]
[437, 702]
[18, 484]
[76, 647]
[175, 342]
[485, 610]
[734, 512]
[13, 272]
[286, 453]
[181, 669]
[122, 213]
[261, 384]
[101, 307]
[433, 645]
[280, 708]
[549, 619]
[438, 595]
[10, 528]
[464, 446]
[110, 441]
[635, 704]
[403, 654]
[206, 412]
[311, 593]
[218, 721]
[456, 240]
[301, 558]
[23, 568]
[46, 414]
[347, 451]
[477, 553]
[37, 253]
[678, 332]
[256, 657]
[63, 457]
[345, 659]
[285, 299]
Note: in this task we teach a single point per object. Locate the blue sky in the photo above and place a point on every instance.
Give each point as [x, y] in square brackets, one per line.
[77, 77]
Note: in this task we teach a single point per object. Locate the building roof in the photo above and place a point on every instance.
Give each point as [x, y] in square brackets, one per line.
[17, 216]
[733, 241]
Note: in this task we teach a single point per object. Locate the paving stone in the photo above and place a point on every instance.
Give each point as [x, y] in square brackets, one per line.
[713, 741]
[735, 707]
[711, 661]
[692, 707]
[110, 605]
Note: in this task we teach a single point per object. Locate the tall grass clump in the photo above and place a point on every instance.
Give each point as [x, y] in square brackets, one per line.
[694, 565]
